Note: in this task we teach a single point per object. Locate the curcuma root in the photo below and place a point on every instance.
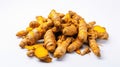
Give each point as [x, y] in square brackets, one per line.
[61, 34]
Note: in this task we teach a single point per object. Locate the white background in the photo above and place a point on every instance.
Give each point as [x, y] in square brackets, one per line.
[15, 15]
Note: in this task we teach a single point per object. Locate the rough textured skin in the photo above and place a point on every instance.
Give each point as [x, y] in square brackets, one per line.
[82, 34]
[32, 37]
[61, 49]
[76, 44]
[21, 33]
[61, 33]
[94, 47]
[50, 42]
[92, 35]
[34, 24]
[70, 30]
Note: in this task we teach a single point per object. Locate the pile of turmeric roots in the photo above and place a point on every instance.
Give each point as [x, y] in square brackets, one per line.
[61, 34]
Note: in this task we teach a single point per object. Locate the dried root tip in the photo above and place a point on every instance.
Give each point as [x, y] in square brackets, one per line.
[34, 24]
[94, 47]
[59, 54]
[21, 33]
[85, 51]
[23, 43]
[78, 51]
[30, 53]
[47, 59]
[104, 36]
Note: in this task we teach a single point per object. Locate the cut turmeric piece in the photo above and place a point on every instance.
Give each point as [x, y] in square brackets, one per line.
[42, 54]
[101, 32]
[32, 47]
[99, 28]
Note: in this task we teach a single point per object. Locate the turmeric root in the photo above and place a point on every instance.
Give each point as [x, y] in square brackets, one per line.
[32, 37]
[49, 40]
[34, 24]
[21, 33]
[94, 47]
[91, 24]
[76, 44]
[82, 34]
[61, 49]
[70, 30]
[40, 19]
[56, 17]
[35, 34]
[61, 33]
[92, 35]
[82, 37]
[39, 51]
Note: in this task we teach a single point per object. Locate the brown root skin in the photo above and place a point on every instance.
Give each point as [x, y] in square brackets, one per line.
[34, 24]
[70, 30]
[37, 33]
[61, 33]
[49, 40]
[61, 49]
[76, 44]
[32, 37]
[56, 18]
[82, 34]
[91, 24]
[92, 36]
[21, 33]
